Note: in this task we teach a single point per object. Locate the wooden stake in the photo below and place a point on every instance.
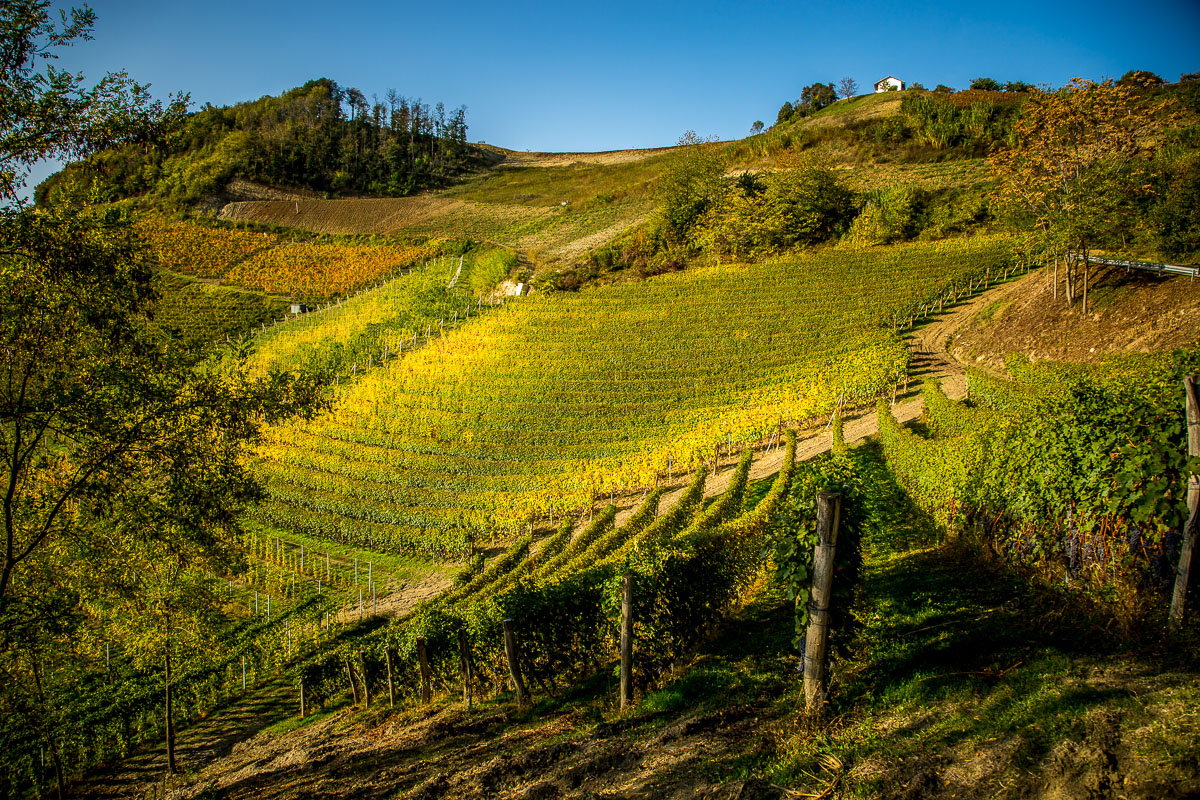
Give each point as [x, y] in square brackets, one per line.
[1191, 385]
[816, 640]
[387, 658]
[514, 664]
[423, 663]
[626, 641]
[353, 685]
[303, 708]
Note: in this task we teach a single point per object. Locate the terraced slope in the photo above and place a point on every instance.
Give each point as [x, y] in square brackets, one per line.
[554, 401]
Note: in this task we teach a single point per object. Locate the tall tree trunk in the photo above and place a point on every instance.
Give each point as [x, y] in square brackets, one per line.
[58, 770]
[170, 722]
[1070, 281]
[55, 756]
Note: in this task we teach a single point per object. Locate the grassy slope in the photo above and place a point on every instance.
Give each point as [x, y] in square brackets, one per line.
[520, 202]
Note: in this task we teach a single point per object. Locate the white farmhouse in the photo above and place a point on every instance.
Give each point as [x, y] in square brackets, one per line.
[889, 84]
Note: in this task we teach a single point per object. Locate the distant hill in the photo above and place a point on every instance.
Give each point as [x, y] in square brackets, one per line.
[319, 137]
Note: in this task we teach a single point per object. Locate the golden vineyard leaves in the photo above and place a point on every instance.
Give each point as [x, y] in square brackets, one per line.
[556, 400]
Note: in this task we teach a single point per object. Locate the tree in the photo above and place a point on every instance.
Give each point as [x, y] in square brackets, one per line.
[803, 204]
[692, 181]
[112, 439]
[51, 113]
[1076, 157]
[847, 88]
[1175, 216]
[985, 84]
[816, 96]
[1140, 77]
[786, 112]
[757, 127]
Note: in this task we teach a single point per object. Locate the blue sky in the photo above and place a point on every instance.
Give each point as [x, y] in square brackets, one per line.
[576, 76]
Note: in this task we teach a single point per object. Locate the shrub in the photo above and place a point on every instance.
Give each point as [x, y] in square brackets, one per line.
[888, 216]
[800, 206]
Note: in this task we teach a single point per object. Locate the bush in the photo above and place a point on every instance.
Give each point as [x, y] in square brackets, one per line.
[1175, 219]
[890, 215]
[801, 206]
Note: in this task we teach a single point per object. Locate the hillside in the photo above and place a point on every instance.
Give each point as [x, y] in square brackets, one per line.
[1132, 311]
[551, 404]
[319, 137]
[450, 483]
[965, 681]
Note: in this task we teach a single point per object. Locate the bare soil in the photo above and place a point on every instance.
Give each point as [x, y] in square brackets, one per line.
[385, 215]
[517, 158]
[1131, 311]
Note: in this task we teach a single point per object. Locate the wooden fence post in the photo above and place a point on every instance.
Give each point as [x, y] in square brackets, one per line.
[1191, 385]
[626, 641]
[464, 664]
[816, 640]
[387, 657]
[303, 708]
[423, 663]
[514, 664]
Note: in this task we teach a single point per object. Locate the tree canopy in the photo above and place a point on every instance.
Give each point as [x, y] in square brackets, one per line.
[52, 113]
[319, 136]
[122, 459]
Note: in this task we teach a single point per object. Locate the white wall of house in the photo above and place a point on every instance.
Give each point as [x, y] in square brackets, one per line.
[890, 84]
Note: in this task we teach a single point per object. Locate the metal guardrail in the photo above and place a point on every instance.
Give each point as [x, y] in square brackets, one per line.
[1173, 269]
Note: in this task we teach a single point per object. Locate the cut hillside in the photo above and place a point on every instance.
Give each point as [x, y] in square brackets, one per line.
[561, 206]
[1129, 311]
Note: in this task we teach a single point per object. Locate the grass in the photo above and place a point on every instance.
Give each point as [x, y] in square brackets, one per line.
[988, 312]
[295, 723]
[855, 106]
[577, 184]
[390, 570]
[968, 681]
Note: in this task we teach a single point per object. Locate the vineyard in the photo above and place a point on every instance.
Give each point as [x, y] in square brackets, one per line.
[305, 271]
[562, 598]
[200, 313]
[1064, 469]
[552, 403]
[384, 321]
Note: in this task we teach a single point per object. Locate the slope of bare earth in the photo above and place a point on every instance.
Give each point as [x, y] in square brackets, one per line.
[556, 232]
[1130, 311]
[518, 158]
